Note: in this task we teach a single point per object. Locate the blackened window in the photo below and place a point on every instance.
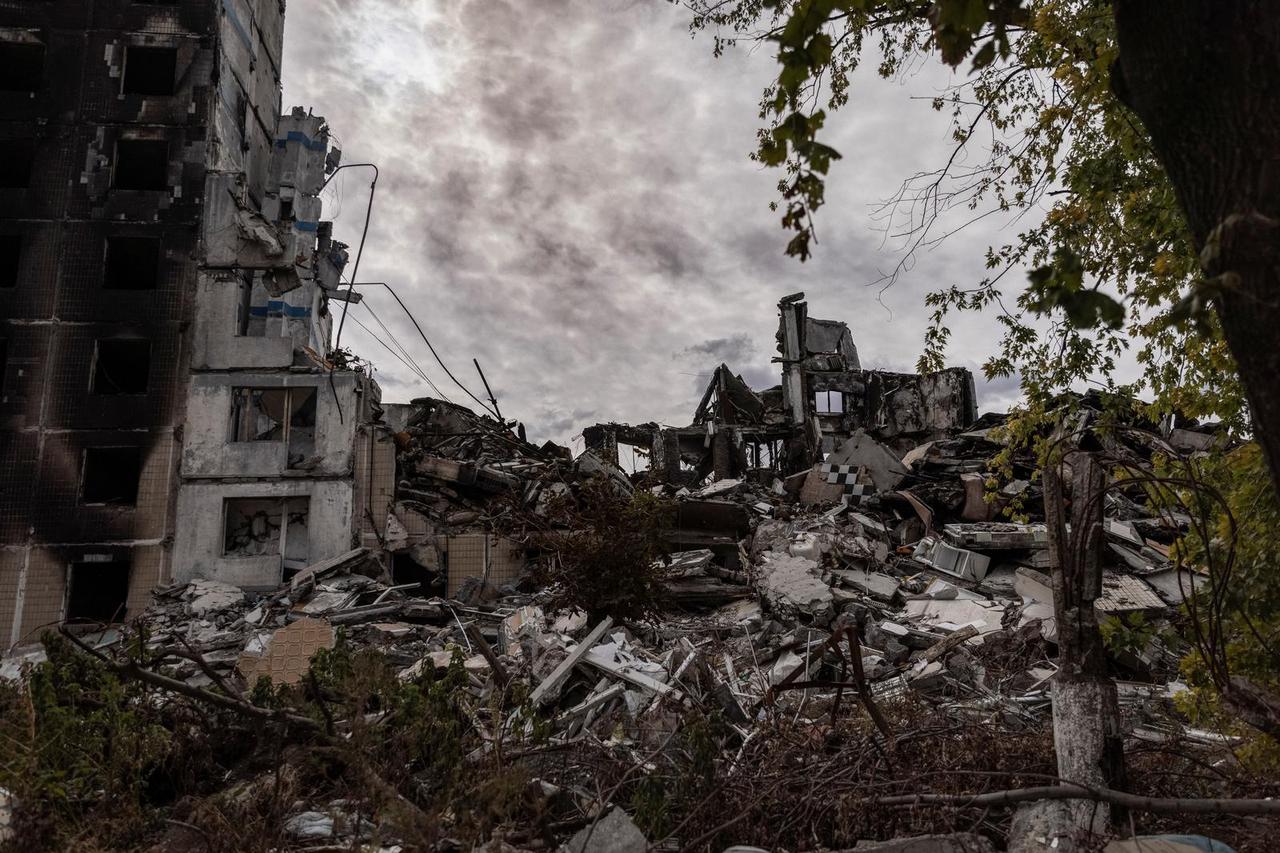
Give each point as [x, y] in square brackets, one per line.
[141, 164]
[4, 365]
[111, 476]
[10, 251]
[21, 66]
[99, 591]
[16, 157]
[121, 366]
[133, 263]
[149, 70]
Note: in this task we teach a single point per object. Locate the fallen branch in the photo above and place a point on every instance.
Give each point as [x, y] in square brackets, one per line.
[130, 669]
[1072, 791]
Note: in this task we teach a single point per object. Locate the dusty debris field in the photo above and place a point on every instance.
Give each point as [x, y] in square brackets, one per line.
[837, 667]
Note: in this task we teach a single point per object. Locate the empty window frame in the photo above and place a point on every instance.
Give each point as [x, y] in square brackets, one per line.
[110, 476]
[132, 263]
[10, 253]
[16, 159]
[276, 414]
[149, 70]
[828, 402]
[252, 307]
[97, 591]
[121, 366]
[263, 527]
[21, 66]
[141, 164]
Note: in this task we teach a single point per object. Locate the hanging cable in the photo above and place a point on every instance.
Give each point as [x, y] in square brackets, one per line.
[427, 341]
[368, 214]
[397, 356]
[405, 351]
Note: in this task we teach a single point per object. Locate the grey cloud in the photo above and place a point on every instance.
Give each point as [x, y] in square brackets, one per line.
[731, 350]
[566, 196]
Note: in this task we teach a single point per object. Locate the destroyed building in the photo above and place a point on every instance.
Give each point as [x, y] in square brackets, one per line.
[164, 289]
[825, 399]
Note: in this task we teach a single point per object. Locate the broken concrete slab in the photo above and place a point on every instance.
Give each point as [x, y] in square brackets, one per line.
[792, 587]
[881, 464]
[875, 584]
[613, 833]
[205, 597]
[954, 615]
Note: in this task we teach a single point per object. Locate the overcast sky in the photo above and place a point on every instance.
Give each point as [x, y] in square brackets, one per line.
[566, 195]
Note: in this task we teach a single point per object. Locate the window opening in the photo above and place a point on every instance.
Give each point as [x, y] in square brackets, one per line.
[141, 164]
[111, 476]
[149, 70]
[16, 158]
[98, 591]
[133, 263]
[10, 253]
[261, 527]
[21, 66]
[828, 402]
[121, 366]
[276, 414]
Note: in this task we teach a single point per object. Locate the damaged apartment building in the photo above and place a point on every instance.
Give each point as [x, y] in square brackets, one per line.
[166, 407]
[823, 403]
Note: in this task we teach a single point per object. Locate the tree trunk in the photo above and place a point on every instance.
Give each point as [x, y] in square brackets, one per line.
[1086, 711]
[1204, 78]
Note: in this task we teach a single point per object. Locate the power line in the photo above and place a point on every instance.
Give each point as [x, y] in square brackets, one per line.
[427, 341]
[411, 367]
[405, 351]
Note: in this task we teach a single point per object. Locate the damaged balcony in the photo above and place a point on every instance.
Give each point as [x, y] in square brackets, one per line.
[272, 425]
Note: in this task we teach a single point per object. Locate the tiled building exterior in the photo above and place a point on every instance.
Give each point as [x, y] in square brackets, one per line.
[164, 280]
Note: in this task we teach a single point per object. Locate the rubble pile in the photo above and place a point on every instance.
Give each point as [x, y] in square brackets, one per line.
[889, 586]
[850, 602]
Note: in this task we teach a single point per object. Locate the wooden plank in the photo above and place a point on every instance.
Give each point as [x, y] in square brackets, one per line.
[621, 670]
[550, 687]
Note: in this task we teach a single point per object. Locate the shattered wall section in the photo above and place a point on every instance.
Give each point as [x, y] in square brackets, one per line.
[827, 397]
[892, 406]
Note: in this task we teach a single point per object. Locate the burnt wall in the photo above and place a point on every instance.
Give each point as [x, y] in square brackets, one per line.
[105, 217]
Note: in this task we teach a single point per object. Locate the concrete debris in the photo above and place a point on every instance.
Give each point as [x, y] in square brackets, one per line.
[793, 518]
[204, 597]
[613, 833]
[792, 587]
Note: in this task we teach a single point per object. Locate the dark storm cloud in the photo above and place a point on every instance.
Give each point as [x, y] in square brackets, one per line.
[565, 195]
[739, 348]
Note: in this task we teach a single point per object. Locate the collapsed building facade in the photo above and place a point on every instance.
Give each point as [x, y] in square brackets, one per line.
[824, 399]
[166, 407]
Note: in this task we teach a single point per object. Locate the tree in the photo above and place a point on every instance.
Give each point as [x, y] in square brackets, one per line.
[1150, 131]
[1204, 78]
[1040, 99]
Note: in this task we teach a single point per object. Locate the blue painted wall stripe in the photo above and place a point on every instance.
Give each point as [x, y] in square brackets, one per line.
[278, 308]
